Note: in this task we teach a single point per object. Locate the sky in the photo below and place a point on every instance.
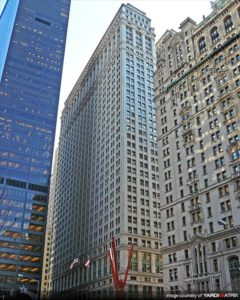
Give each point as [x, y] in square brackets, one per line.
[89, 19]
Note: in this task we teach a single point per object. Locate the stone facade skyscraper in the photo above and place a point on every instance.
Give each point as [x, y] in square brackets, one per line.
[107, 181]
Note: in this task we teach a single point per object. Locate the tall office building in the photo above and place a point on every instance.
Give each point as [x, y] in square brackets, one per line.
[32, 44]
[107, 178]
[47, 258]
[197, 109]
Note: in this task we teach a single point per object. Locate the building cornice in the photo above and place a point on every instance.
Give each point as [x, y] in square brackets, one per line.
[202, 62]
[201, 237]
[212, 18]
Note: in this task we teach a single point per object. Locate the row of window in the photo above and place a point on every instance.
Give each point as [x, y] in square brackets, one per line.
[214, 33]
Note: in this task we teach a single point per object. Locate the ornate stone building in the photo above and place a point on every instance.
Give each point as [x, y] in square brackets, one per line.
[197, 94]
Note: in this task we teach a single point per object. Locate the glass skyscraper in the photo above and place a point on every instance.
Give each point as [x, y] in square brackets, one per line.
[32, 44]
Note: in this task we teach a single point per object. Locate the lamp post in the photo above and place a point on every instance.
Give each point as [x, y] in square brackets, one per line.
[36, 280]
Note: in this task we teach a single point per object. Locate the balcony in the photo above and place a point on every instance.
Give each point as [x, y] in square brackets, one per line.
[189, 142]
[196, 276]
[187, 130]
[231, 119]
[192, 193]
[197, 221]
[233, 133]
[184, 110]
[195, 207]
[235, 175]
[235, 161]
[227, 107]
[233, 147]
[191, 181]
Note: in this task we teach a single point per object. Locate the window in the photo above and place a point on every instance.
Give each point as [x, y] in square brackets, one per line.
[236, 154]
[209, 212]
[217, 284]
[213, 246]
[185, 235]
[228, 24]
[219, 162]
[42, 21]
[199, 259]
[173, 274]
[211, 227]
[218, 59]
[187, 271]
[215, 265]
[233, 263]
[202, 45]
[214, 123]
[231, 242]
[214, 35]
[223, 191]
[208, 197]
[222, 80]
[183, 221]
[215, 136]
[226, 205]
[182, 207]
[221, 176]
[217, 149]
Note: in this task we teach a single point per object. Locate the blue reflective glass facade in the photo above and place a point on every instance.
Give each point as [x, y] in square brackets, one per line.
[29, 94]
[8, 10]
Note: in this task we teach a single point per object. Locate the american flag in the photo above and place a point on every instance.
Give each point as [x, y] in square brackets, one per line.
[74, 263]
[87, 263]
[112, 261]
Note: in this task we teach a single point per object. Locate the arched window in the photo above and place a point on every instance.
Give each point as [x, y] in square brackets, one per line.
[233, 263]
[202, 45]
[200, 259]
[228, 24]
[214, 35]
[234, 270]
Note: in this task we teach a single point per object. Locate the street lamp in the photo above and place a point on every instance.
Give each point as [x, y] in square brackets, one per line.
[36, 280]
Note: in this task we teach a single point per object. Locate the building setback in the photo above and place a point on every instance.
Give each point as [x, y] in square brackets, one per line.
[197, 109]
[107, 178]
[32, 44]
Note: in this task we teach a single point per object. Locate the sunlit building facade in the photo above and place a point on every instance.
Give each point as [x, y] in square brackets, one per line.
[107, 173]
[47, 258]
[197, 93]
[32, 44]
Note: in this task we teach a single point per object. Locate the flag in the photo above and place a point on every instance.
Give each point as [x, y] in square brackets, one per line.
[74, 263]
[87, 263]
[113, 265]
[111, 254]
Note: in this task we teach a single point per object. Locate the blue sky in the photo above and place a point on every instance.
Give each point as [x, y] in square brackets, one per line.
[89, 19]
